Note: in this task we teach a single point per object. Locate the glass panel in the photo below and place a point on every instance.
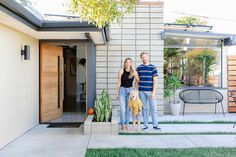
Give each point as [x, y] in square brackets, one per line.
[194, 66]
[195, 41]
[178, 41]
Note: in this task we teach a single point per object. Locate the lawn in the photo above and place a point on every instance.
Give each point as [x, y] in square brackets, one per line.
[188, 152]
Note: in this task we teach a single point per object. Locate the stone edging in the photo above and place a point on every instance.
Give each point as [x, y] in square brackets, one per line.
[104, 128]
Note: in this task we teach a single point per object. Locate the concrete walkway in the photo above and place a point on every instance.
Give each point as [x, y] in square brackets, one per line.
[70, 142]
[48, 142]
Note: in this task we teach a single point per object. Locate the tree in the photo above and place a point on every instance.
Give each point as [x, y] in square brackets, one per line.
[170, 60]
[190, 20]
[200, 62]
[102, 12]
[170, 55]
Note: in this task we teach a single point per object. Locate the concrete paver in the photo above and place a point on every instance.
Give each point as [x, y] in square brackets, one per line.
[140, 141]
[213, 140]
[186, 128]
[162, 141]
[198, 117]
[48, 142]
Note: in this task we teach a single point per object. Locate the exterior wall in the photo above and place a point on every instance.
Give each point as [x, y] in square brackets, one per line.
[19, 82]
[91, 75]
[231, 50]
[139, 31]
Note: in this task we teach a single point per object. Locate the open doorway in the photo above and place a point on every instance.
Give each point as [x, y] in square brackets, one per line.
[74, 79]
[63, 82]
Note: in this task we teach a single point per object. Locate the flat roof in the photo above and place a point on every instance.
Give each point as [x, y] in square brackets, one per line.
[229, 39]
[20, 13]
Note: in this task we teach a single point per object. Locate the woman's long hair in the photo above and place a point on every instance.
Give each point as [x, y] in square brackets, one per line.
[131, 68]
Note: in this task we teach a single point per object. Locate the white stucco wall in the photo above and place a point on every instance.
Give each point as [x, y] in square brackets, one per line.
[19, 85]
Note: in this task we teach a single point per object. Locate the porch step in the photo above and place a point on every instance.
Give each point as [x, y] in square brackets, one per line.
[185, 129]
[195, 118]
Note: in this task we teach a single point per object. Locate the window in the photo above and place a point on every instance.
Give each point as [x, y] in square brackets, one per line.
[197, 62]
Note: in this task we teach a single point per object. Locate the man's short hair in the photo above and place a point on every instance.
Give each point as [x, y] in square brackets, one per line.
[142, 53]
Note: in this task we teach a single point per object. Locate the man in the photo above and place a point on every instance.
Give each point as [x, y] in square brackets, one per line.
[147, 89]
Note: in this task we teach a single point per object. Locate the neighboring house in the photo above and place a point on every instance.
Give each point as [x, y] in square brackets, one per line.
[32, 91]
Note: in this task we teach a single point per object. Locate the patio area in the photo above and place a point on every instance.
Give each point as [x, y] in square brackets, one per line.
[65, 58]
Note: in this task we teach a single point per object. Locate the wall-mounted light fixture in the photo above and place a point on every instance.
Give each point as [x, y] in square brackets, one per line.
[26, 52]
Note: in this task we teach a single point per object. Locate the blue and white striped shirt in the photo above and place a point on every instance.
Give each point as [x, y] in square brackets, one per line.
[146, 74]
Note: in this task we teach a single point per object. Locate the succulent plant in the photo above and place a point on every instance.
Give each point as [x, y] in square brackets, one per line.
[102, 107]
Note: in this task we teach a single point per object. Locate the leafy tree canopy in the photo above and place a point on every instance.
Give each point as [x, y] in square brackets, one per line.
[102, 12]
[190, 20]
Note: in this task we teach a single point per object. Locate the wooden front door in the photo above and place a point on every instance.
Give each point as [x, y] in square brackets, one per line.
[231, 82]
[51, 101]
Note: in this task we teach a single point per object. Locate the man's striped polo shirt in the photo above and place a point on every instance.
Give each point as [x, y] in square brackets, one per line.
[146, 74]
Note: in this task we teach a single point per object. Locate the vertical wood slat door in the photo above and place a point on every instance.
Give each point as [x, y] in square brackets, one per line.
[51, 62]
[231, 82]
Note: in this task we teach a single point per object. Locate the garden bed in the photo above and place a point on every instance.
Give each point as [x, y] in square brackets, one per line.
[104, 128]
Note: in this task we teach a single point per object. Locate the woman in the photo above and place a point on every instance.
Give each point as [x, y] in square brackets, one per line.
[126, 77]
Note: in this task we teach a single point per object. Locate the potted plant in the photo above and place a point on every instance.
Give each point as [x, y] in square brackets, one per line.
[104, 120]
[171, 85]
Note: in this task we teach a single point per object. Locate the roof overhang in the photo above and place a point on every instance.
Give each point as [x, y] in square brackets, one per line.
[229, 39]
[16, 16]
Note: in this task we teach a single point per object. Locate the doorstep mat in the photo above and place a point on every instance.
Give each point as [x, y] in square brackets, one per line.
[64, 125]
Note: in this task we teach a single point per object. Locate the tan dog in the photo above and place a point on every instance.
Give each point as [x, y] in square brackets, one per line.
[135, 105]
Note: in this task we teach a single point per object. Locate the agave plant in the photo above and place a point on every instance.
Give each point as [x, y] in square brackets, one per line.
[103, 107]
[168, 94]
[172, 83]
